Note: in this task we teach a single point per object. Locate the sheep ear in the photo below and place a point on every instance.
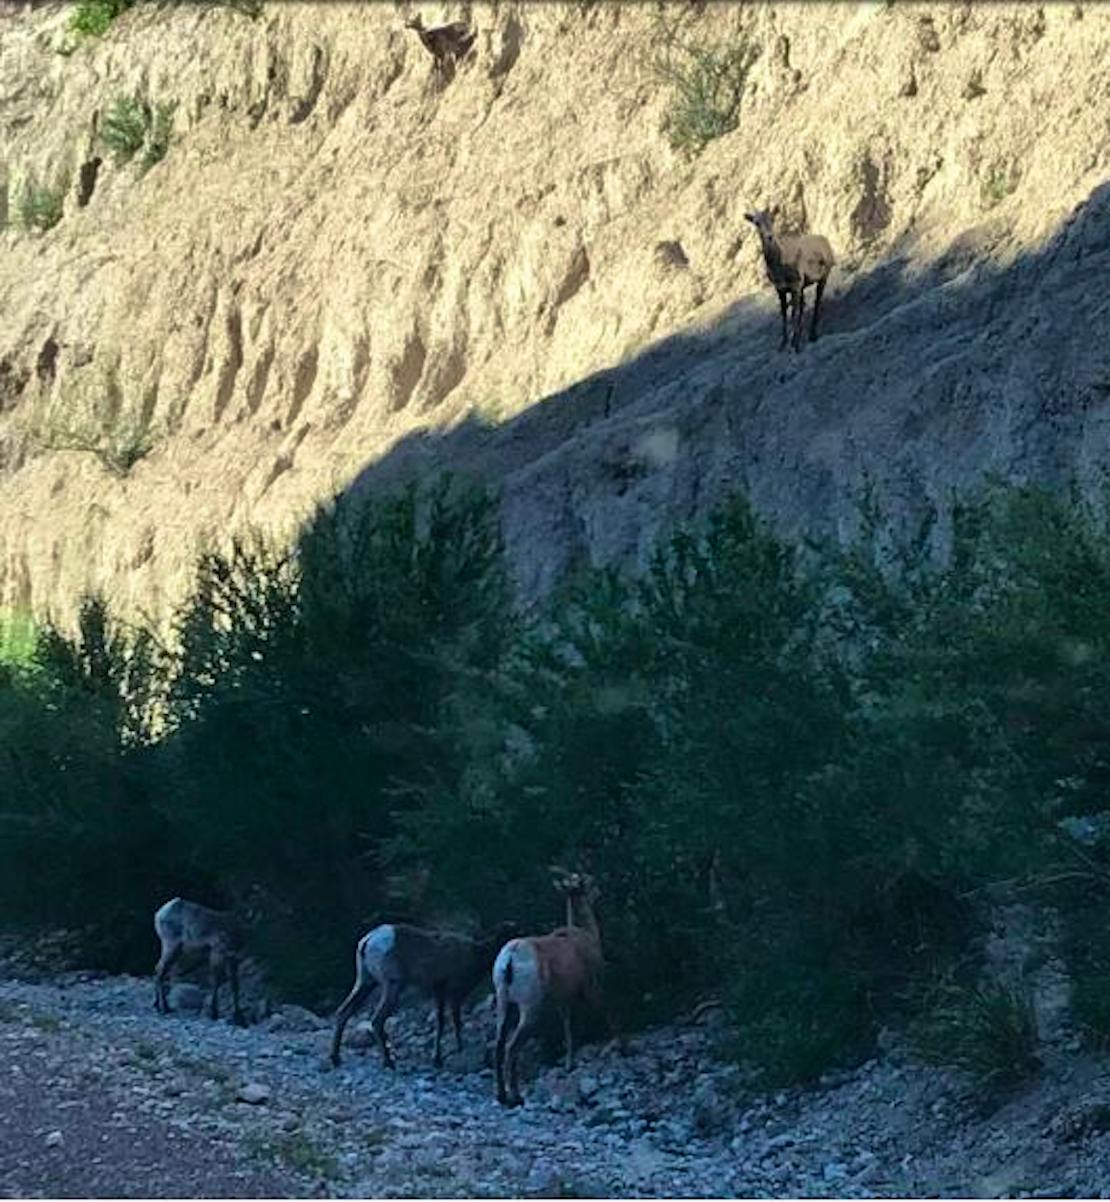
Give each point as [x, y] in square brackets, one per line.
[750, 217]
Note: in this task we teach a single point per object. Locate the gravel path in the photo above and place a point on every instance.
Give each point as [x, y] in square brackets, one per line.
[150, 1106]
[69, 1128]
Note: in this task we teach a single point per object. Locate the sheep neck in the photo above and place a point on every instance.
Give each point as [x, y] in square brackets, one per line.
[772, 255]
[581, 914]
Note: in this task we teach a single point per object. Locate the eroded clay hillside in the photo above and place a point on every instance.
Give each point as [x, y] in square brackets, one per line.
[341, 268]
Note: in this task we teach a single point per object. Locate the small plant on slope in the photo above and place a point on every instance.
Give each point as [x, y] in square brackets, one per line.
[707, 84]
[131, 124]
[92, 18]
[989, 1031]
[40, 206]
[125, 127]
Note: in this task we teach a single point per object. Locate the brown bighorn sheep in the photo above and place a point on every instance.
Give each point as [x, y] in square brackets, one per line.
[185, 926]
[793, 263]
[395, 955]
[447, 44]
[560, 968]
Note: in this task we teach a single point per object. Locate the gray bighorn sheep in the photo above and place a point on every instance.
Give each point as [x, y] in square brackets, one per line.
[447, 44]
[794, 261]
[185, 926]
[394, 955]
[560, 968]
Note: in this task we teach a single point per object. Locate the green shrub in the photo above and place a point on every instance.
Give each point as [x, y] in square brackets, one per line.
[707, 85]
[131, 124]
[315, 690]
[80, 842]
[125, 127]
[989, 1031]
[17, 638]
[40, 206]
[795, 1019]
[118, 447]
[788, 768]
[91, 18]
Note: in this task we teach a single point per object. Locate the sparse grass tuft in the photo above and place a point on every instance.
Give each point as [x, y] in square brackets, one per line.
[118, 448]
[125, 127]
[707, 85]
[92, 18]
[296, 1150]
[47, 1023]
[999, 183]
[131, 124]
[17, 637]
[989, 1031]
[40, 206]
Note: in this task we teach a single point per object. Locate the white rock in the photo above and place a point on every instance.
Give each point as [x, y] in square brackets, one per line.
[543, 1179]
[55, 1139]
[254, 1092]
[186, 997]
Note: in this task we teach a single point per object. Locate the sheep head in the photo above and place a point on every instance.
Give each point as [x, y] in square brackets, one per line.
[574, 884]
[763, 220]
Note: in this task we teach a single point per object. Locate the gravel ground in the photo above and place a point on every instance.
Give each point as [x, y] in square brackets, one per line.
[101, 1096]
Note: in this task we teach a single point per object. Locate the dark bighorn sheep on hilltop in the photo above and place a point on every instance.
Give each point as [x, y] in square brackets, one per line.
[394, 955]
[447, 44]
[560, 968]
[185, 926]
[794, 261]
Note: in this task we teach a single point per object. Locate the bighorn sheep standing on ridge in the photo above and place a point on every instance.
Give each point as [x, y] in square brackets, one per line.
[395, 955]
[185, 926]
[563, 967]
[793, 263]
[447, 44]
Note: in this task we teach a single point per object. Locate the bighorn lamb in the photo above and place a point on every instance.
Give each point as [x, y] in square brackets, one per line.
[185, 926]
[447, 44]
[441, 964]
[793, 263]
[560, 968]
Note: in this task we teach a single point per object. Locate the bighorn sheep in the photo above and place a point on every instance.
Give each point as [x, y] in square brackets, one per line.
[185, 926]
[447, 44]
[562, 968]
[395, 955]
[793, 263]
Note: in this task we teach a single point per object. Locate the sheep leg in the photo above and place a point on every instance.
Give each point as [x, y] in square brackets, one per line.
[499, 1051]
[387, 1003]
[441, 1005]
[215, 977]
[782, 307]
[568, 1039]
[816, 307]
[166, 961]
[237, 1016]
[457, 1021]
[799, 311]
[349, 1005]
[523, 1023]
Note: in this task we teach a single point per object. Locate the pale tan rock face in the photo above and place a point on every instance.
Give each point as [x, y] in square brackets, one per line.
[335, 255]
